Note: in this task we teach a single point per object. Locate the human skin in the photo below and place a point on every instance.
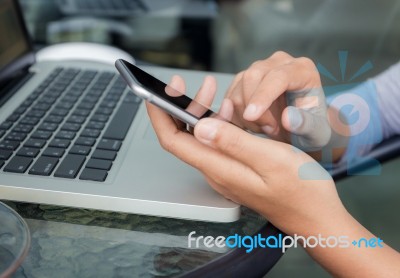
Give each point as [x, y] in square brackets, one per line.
[285, 185]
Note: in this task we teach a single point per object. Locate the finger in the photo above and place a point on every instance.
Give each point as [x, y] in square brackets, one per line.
[303, 123]
[255, 152]
[296, 76]
[204, 97]
[225, 112]
[160, 119]
[176, 86]
[234, 84]
[206, 94]
[247, 81]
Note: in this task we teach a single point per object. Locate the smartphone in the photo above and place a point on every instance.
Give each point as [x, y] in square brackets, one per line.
[175, 103]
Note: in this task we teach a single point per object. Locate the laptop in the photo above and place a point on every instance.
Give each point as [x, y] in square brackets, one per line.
[129, 8]
[72, 134]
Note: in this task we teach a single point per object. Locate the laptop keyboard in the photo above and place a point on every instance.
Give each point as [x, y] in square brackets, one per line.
[72, 126]
[118, 5]
[114, 8]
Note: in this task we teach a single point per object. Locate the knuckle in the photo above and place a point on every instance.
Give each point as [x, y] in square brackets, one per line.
[237, 100]
[256, 64]
[252, 74]
[281, 55]
[306, 62]
[167, 144]
[232, 145]
[308, 66]
[238, 77]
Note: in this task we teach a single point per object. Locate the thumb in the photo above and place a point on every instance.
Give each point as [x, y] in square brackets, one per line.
[309, 131]
[238, 144]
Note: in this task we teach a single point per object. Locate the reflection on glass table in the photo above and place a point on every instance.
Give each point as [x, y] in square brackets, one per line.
[79, 242]
[14, 240]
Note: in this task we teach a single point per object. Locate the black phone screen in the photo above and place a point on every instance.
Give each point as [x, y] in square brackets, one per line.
[168, 93]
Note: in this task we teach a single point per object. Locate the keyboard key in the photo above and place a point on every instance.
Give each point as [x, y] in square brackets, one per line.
[74, 93]
[104, 111]
[18, 164]
[60, 143]
[23, 128]
[99, 118]
[13, 117]
[2, 132]
[83, 150]
[20, 110]
[93, 133]
[103, 154]
[48, 127]
[65, 105]
[111, 98]
[16, 136]
[28, 152]
[54, 152]
[95, 92]
[41, 134]
[70, 166]
[86, 105]
[111, 145]
[42, 106]
[99, 164]
[93, 175]
[108, 104]
[132, 98]
[53, 119]
[85, 141]
[35, 143]
[4, 154]
[28, 102]
[81, 112]
[48, 99]
[59, 112]
[63, 134]
[121, 122]
[71, 127]
[29, 121]
[44, 166]
[9, 145]
[90, 98]
[95, 125]
[76, 119]
[6, 125]
[36, 113]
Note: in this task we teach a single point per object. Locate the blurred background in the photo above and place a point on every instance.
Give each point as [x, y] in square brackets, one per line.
[227, 36]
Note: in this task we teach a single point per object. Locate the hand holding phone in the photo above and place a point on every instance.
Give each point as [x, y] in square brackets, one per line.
[175, 103]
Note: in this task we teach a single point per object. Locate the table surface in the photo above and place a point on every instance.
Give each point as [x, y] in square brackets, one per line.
[71, 242]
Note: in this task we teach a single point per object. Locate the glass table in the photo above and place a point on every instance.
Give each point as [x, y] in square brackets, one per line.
[71, 242]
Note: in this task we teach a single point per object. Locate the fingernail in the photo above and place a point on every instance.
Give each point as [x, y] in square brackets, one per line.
[295, 118]
[206, 130]
[250, 111]
[267, 129]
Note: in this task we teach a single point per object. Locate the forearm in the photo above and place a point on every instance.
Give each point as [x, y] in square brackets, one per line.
[354, 261]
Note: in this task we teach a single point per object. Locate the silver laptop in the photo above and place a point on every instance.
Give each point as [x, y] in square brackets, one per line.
[129, 8]
[72, 134]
